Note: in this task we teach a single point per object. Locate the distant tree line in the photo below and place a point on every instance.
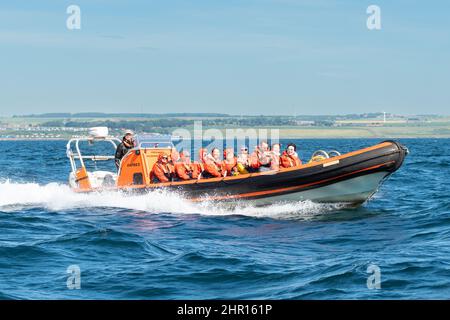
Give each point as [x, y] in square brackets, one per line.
[161, 126]
[166, 125]
[121, 115]
[96, 115]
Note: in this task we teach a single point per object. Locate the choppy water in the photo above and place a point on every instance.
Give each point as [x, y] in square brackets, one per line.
[157, 246]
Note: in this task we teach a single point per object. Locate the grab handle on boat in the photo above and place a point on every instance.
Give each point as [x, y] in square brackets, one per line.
[319, 155]
[333, 153]
[322, 153]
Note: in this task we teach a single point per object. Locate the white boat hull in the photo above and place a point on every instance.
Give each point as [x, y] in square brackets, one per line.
[355, 190]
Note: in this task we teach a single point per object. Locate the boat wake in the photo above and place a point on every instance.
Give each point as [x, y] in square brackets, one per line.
[55, 197]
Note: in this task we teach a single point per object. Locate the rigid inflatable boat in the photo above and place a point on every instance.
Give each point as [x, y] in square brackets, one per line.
[337, 178]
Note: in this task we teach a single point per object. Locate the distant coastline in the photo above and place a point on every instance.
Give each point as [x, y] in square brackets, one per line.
[281, 137]
[378, 125]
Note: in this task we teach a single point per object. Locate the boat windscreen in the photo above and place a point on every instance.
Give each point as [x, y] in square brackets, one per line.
[153, 141]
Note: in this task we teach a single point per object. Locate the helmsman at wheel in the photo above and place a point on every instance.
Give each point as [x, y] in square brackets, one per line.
[126, 145]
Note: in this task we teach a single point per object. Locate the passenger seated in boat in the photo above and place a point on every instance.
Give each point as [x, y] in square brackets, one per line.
[173, 160]
[161, 171]
[200, 164]
[275, 157]
[253, 160]
[185, 169]
[243, 163]
[229, 167]
[174, 156]
[196, 170]
[122, 149]
[289, 158]
[213, 164]
[261, 157]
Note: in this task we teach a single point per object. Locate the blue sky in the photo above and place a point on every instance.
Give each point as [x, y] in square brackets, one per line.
[240, 57]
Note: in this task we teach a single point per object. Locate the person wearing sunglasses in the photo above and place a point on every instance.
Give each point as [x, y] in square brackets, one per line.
[161, 171]
[290, 158]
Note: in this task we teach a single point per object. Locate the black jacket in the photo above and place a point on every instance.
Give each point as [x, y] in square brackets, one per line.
[121, 151]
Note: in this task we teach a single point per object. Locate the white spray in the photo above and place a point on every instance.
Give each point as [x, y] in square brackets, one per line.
[59, 197]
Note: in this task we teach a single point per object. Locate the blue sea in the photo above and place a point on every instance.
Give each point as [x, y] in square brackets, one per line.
[55, 244]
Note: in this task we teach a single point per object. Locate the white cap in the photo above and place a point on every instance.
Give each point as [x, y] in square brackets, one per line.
[129, 132]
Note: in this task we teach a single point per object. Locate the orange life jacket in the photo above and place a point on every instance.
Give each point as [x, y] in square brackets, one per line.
[199, 166]
[253, 160]
[275, 162]
[197, 169]
[259, 158]
[227, 167]
[212, 167]
[161, 172]
[184, 170]
[288, 161]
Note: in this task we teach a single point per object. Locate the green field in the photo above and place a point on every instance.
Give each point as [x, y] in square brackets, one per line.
[368, 132]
